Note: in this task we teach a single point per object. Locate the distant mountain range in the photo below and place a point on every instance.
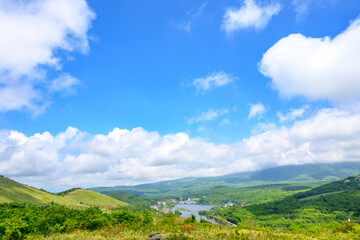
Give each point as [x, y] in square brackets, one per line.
[12, 191]
[315, 173]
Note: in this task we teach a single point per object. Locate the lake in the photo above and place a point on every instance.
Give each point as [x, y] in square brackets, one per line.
[193, 209]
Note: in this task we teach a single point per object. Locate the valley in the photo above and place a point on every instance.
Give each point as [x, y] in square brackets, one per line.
[313, 209]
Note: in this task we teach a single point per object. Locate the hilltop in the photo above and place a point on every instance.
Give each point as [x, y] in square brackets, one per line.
[12, 191]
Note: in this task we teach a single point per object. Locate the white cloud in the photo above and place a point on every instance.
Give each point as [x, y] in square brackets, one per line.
[64, 83]
[31, 34]
[208, 116]
[75, 158]
[214, 80]
[256, 110]
[18, 97]
[292, 114]
[249, 15]
[316, 68]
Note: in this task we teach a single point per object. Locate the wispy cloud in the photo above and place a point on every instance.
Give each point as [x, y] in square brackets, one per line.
[185, 26]
[261, 128]
[256, 110]
[192, 16]
[303, 7]
[212, 81]
[224, 122]
[249, 15]
[208, 116]
[292, 114]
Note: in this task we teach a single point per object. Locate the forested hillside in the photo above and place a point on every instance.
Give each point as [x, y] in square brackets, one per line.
[319, 207]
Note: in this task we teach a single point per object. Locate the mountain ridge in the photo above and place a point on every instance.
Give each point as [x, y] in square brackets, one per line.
[317, 173]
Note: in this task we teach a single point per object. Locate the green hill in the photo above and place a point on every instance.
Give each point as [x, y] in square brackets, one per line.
[91, 198]
[342, 195]
[314, 174]
[12, 191]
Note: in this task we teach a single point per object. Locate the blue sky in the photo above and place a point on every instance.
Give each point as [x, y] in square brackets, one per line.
[105, 88]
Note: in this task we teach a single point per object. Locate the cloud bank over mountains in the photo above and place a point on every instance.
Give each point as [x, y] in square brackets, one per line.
[138, 156]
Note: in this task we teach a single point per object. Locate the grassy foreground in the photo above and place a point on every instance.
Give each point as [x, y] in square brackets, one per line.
[19, 221]
[197, 232]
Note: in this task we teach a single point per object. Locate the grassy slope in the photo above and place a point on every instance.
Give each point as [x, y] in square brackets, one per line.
[89, 198]
[313, 173]
[12, 191]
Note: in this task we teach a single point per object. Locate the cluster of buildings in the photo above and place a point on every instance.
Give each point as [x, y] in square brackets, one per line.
[159, 208]
[189, 201]
[230, 204]
[355, 180]
[161, 204]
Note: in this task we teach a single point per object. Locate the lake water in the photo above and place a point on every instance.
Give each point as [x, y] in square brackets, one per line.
[193, 209]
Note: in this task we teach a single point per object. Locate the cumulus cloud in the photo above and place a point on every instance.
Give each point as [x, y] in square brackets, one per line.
[208, 116]
[136, 156]
[32, 32]
[292, 114]
[316, 68]
[249, 15]
[212, 81]
[256, 110]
